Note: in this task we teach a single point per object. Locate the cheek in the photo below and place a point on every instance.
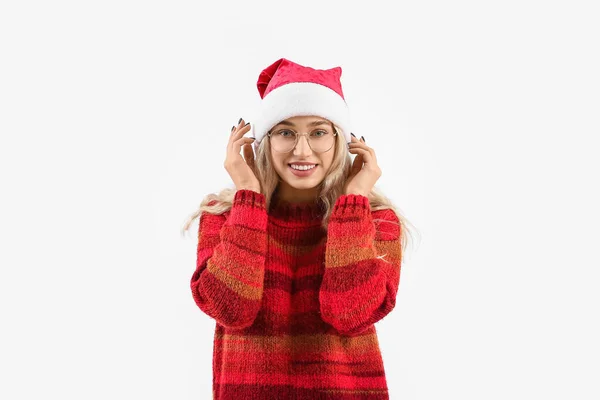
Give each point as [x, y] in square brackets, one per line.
[279, 165]
[327, 161]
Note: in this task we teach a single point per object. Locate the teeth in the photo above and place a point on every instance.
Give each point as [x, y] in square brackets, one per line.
[302, 168]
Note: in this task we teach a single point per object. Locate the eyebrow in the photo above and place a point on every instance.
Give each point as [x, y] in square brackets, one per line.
[314, 123]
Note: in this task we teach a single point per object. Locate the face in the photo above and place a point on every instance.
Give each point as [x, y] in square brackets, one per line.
[301, 186]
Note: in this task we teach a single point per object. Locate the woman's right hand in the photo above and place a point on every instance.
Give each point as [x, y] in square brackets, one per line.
[240, 170]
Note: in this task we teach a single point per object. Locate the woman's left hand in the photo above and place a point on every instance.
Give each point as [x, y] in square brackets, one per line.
[365, 171]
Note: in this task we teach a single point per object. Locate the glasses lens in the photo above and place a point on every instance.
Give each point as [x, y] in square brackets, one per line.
[319, 142]
[283, 143]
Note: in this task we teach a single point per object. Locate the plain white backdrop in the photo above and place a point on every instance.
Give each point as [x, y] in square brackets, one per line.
[114, 117]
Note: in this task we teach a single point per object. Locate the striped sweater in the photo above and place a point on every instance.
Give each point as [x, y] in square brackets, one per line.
[294, 305]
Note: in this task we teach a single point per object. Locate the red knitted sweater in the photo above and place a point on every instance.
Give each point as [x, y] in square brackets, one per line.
[295, 305]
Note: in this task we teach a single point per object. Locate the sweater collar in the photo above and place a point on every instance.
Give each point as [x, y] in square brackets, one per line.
[298, 212]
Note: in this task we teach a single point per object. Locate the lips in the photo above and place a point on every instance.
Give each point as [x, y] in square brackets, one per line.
[302, 172]
[310, 167]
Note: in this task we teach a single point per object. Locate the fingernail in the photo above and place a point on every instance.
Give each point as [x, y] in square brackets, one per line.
[240, 121]
[247, 123]
[352, 134]
[232, 128]
[363, 139]
[253, 138]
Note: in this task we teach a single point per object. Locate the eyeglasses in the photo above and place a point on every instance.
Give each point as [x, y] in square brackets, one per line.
[285, 140]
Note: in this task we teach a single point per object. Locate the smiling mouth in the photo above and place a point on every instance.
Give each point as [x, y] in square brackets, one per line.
[310, 167]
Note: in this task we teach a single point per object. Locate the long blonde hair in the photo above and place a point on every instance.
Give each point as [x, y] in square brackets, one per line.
[330, 188]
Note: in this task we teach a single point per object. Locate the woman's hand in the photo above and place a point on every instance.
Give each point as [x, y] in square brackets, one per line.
[241, 169]
[365, 171]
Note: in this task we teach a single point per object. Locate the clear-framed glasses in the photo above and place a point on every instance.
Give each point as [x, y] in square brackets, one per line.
[284, 141]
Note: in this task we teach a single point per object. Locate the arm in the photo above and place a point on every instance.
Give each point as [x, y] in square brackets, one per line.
[362, 266]
[228, 282]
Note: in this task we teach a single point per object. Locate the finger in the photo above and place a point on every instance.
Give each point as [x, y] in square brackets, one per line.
[237, 133]
[237, 145]
[372, 153]
[369, 160]
[364, 154]
[235, 148]
[357, 163]
[249, 154]
[234, 129]
[360, 144]
[357, 141]
[241, 131]
[357, 145]
[239, 124]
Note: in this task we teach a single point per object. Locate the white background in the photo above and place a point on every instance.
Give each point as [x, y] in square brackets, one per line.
[114, 118]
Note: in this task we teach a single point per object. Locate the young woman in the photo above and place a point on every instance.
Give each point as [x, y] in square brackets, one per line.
[303, 257]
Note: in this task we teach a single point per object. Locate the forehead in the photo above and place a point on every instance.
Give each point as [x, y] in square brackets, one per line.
[304, 121]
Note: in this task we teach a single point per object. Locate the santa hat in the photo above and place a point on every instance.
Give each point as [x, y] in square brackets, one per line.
[288, 89]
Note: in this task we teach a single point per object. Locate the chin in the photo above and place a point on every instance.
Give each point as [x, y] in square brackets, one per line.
[309, 183]
[304, 186]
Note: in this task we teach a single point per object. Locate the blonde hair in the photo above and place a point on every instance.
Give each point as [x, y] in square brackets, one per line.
[330, 188]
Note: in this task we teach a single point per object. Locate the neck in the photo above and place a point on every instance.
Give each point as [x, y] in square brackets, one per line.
[297, 210]
[292, 195]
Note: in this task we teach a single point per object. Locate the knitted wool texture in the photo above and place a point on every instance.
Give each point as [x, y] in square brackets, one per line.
[294, 305]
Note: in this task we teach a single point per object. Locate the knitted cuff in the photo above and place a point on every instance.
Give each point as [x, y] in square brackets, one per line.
[249, 198]
[351, 205]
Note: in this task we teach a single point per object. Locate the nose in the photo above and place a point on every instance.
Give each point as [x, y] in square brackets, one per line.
[302, 146]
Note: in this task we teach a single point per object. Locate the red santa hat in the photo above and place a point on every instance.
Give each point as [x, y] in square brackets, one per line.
[288, 89]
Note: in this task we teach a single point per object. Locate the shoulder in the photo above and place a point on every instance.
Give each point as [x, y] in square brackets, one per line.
[214, 216]
[387, 224]
[386, 214]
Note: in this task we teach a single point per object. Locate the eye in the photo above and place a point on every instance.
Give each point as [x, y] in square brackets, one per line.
[283, 131]
[322, 133]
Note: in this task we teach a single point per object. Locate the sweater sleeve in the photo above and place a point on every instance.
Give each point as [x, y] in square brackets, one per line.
[228, 281]
[362, 265]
